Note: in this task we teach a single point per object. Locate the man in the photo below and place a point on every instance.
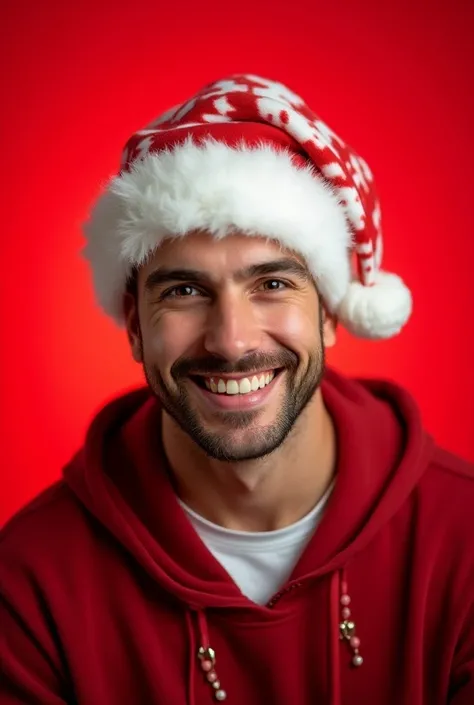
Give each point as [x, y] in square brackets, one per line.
[252, 527]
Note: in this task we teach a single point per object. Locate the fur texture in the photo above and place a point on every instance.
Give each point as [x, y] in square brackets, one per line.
[378, 311]
[212, 187]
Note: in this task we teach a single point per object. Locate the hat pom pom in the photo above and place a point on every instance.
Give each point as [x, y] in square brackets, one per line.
[376, 312]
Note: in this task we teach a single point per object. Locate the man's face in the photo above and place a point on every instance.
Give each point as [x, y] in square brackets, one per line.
[231, 336]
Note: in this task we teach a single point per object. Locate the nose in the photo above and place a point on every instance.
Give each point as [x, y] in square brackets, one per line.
[233, 329]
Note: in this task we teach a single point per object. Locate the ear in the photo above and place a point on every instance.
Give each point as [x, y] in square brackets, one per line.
[132, 323]
[329, 327]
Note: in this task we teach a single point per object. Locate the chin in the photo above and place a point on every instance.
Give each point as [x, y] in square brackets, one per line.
[241, 438]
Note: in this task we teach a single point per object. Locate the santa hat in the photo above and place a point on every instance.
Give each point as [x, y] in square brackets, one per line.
[247, 155]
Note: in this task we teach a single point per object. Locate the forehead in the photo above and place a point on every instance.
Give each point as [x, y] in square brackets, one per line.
[217, 258]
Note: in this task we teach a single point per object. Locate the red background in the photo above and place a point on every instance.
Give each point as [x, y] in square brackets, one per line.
[393, 78]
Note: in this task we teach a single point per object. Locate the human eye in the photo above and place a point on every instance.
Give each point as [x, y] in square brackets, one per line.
[273, 285]
[182, 291]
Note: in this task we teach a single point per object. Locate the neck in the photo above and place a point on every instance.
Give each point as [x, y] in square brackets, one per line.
[257, 495]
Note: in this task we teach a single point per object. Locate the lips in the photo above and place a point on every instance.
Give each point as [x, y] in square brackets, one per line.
[231, 398]
[238, 385]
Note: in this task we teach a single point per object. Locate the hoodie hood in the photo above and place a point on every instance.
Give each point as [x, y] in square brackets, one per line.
[122, 478]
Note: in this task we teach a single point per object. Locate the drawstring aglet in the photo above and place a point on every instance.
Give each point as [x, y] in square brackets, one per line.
[347, 627]
[207, 661]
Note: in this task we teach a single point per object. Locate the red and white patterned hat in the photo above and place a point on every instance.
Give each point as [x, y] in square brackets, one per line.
[247, 155]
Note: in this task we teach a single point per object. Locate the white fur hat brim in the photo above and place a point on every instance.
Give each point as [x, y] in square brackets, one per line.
[257, 191]
[214, 188]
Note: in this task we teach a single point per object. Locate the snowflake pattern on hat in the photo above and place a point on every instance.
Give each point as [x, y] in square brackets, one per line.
[248, 97]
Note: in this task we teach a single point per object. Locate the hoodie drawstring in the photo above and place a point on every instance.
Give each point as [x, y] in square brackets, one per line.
[206, 656]
[192, 657]
[342, 628]
[334, 621]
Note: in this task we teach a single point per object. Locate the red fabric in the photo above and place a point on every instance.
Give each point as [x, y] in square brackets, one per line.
[107, 592]
[253, 109]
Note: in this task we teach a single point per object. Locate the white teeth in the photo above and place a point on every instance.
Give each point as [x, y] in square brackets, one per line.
[244, 386]
[238, 386]
[232, 387]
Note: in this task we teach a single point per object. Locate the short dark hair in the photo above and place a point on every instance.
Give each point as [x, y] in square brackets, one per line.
[131, 286]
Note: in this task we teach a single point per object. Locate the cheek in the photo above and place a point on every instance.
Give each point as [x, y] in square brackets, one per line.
[295, 328]
[169, 338]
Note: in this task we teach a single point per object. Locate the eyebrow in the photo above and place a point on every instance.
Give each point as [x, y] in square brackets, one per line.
[165, 275]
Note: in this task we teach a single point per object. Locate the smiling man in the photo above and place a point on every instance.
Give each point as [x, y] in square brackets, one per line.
[228, 333]
[251, 526]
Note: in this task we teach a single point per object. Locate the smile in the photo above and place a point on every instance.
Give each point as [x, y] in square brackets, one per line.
[232, 386]
[243, 385]
[237, 392]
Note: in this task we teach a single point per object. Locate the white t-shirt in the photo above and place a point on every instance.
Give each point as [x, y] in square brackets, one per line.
[259, 562]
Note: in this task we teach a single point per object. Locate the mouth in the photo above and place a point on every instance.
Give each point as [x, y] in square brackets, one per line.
[236, 385]
[234, 392]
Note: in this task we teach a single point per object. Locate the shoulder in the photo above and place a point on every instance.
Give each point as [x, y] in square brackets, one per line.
[449, 478]
[444, 496]
[450, 466]
[45, 533]
[46, 512]
[44, 506]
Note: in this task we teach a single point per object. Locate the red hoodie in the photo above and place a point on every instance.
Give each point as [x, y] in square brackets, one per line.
[107, 591]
